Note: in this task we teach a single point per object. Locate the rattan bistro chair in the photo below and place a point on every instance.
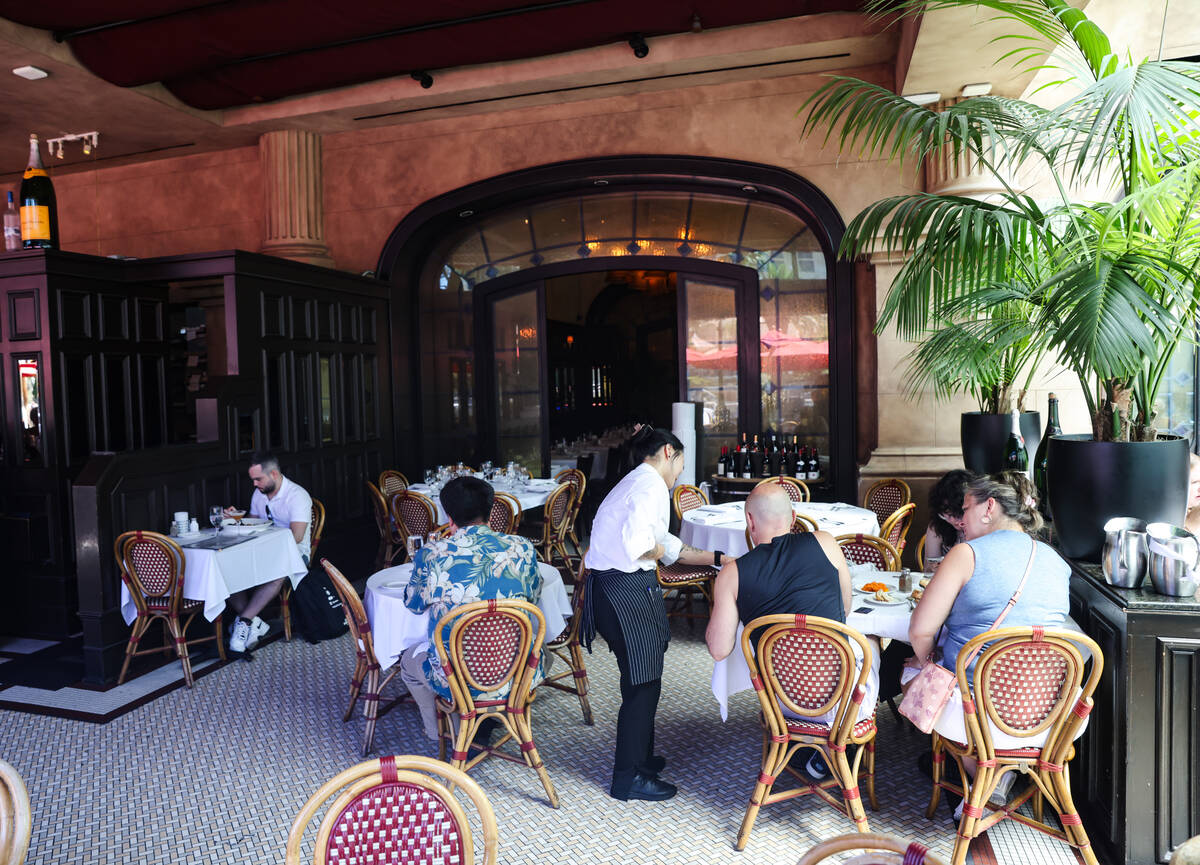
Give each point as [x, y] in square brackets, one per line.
[505, 514]
[494, 648]
[398, 809]
[567, 649]
[869, 550]
[392, 482]
[152, 567]
[895, 528]
[578, 481]
[893, 851]
[314, 541]
[800, 524]
[390, 541]
[1031, 684]
[686, 497]
[16, 819]
[885, 496]
[367, 668]
[686, 581]
[557, 516]
[413, 514]
[797, 489]
[808, 667]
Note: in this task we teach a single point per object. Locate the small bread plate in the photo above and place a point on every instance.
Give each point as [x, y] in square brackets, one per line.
[885, 578]
[896, 600]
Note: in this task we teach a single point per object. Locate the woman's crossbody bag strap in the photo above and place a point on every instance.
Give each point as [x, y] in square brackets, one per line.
[1012, 602]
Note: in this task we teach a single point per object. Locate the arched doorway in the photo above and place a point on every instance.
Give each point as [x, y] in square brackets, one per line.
[764, 311]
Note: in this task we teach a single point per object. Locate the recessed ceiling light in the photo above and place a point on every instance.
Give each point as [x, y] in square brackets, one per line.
[923, 98]
[31, 73]
[982, 89]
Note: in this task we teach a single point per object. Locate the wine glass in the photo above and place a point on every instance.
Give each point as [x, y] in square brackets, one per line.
[412, 544]
[216, 516]
[430, 477]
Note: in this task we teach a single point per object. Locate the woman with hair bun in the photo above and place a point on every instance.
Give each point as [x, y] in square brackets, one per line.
[979, 576]
[625, 604]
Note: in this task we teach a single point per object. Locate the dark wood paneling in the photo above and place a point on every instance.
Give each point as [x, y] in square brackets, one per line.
[24, 322]
[1177, 791]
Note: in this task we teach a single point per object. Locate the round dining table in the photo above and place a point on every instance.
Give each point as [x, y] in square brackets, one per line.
[531, 494]
[395, 627]
[723, 527]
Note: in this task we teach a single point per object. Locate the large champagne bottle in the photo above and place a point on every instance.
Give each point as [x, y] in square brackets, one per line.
[39, 210]
[1041, 457]
[1015, 457]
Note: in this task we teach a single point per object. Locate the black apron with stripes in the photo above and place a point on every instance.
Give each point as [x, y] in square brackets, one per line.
[638, 601]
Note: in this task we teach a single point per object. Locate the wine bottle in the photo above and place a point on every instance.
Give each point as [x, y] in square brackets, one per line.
[12, 226]
[1015, 457]
[764, 455]
[774, 457]
[39, 210]
[1041, 457]
[814, 464]
[753, 461]
[721, 462]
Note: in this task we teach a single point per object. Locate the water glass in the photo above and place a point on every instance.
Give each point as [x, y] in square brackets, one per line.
[430, 477]
[412, 544]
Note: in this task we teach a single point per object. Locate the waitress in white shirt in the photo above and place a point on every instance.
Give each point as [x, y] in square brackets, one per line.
[625, 604]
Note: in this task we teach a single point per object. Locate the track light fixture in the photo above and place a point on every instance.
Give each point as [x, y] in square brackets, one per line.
[639, 46]
[424, 78]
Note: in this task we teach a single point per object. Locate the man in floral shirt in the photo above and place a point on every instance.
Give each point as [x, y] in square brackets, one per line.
[473, 564]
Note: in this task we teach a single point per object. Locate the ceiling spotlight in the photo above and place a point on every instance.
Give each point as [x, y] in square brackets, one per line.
[923, 98]
[30, 73]
[982, 89]
[639, 46]
[425, 79]
[90, 140]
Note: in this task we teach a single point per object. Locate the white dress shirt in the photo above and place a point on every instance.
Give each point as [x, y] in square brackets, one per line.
[632, 519]
[290, 504]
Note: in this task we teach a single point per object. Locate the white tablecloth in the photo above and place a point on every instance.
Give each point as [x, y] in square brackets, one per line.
[213, 575]
[531, 497]
[723, 527]
[395, 627]
[560, 460]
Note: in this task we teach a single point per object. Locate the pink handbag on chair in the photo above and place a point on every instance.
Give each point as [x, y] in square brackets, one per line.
[930, 691]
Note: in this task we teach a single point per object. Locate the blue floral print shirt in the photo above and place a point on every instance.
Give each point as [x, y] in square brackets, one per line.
[473, 564]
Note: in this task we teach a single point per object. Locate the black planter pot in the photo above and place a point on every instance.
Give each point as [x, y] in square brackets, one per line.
[984, 436]
[1090, 482]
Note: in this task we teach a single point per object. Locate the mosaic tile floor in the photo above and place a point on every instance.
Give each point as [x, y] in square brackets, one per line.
[215, 774]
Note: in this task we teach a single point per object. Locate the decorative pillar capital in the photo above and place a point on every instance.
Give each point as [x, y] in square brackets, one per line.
[294, 208]
[949, 174]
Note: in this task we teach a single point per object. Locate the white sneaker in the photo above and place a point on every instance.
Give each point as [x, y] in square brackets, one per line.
[258, 630]
[241, 635]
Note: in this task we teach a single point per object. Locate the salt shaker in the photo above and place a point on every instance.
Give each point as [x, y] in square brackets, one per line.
[905, 580]
[193, 526]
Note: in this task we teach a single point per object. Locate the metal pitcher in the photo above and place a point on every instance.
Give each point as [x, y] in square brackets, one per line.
[1174, 561]
[1125, 552]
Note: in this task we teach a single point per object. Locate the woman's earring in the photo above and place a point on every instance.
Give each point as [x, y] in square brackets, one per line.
[985, 520]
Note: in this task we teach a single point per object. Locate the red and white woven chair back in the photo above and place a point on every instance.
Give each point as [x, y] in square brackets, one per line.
[392, 482]
[575, 478]
[688, 498]
[501, 517]
[155, 564]
[810, 669]
[802, 523]
[795, 491]
[1026, 685]
[558, 507]
[383, 519]
[493, 647]
[396, 823]
[895, 528]
[886, 497]
[414, 513]
[868, 550]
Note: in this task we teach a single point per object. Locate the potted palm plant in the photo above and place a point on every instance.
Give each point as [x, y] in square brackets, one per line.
[1109, 284]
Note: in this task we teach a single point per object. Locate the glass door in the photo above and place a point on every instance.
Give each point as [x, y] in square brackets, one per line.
[717, 322]
[515, 330]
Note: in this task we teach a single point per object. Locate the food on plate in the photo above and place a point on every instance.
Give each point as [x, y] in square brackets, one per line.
[924, 582]
[917, 594]
[875, 587]
[883, 597]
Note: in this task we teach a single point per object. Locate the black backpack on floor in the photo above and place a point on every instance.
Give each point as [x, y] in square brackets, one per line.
[317, 611]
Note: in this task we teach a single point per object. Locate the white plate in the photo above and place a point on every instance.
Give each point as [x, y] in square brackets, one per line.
[900, 599]
[892, 581]
[394, 584]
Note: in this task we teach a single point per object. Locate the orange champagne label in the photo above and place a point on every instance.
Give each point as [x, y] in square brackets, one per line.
[35, 172]
[35, 222]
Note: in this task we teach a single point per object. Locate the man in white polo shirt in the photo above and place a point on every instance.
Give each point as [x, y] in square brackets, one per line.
[286, 504]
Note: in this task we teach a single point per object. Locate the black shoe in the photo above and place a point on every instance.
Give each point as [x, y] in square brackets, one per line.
[646, 787]
[812, 764]
[483, 735]
[654, 764]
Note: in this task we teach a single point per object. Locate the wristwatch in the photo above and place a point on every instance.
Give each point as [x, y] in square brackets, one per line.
[717, 558]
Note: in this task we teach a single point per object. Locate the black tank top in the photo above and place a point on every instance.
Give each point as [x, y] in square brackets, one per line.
[789, 575]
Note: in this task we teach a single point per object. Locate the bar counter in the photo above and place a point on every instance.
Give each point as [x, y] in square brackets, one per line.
[1135, 778]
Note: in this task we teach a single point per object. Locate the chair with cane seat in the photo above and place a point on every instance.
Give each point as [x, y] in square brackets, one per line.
[413, 514]
[808, 668]
[686, 581]
[893, 851]
[567, 649]
[314, 541]
[392, 482]
[869, 550]
[686, 497]
[152, 568]
[398, 809]
[505, 514]
[556, 516]
[365, 681]
[16, 818]
[578, 481]
[1033, 686]
[390, 541]
[800, 524]
[885, 496]
[493, 648]
[797, 489]
[895, 527]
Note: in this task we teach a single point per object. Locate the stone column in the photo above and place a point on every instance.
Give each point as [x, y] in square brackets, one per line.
[294, 211]
[948, 174]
